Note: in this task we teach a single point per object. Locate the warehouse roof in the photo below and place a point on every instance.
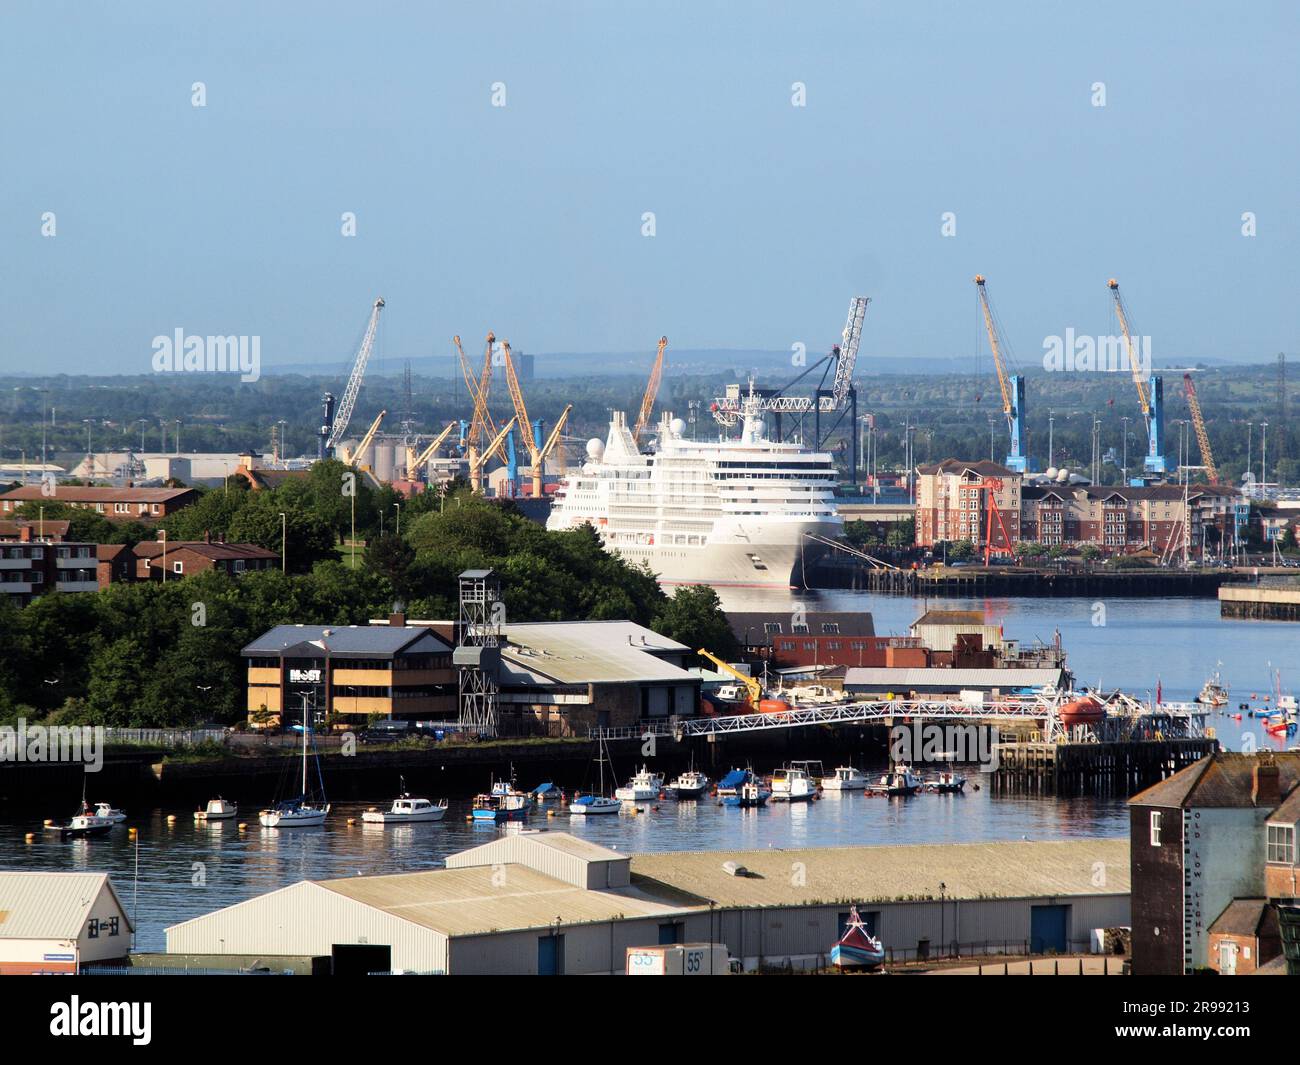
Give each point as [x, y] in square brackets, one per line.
[95, 494]
[470, 901]
[349, 639]
[47, 905]
[882, 874]
[587, 652]
[951, 617]
[563, 842]
[905, 679]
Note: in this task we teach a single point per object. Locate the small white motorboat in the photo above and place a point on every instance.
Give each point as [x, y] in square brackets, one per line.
[407, 810]
[109, 813]
[845, 778]
[218, 809]
[689, 785]
[900, 780]
[795, 783]
[644, 787]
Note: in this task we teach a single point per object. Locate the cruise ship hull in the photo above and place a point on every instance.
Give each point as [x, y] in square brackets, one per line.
[774, 555]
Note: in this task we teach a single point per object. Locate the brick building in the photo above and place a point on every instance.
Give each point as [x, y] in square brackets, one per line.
[116, 504]
[350, 672]
[30, 567]
[954, 500]
[1119, 519]
[1207, 845]
[181, 558]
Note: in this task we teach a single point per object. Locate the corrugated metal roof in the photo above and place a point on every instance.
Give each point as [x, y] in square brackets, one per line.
[41, 905]
[952, 679]
[588, 652]
[347, 639]
[458, 902]
[881, 874]
[558, 841]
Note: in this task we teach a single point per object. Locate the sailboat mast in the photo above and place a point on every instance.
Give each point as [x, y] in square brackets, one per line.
[304, 746]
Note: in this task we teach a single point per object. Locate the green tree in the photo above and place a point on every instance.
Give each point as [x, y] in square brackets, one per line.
[694, 617]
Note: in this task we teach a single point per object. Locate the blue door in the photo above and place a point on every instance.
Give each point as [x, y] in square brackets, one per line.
[550, 956]
[669, 934]
[1047, 929]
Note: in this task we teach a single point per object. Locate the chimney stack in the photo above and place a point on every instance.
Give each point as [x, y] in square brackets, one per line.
[1265, 787]
[25, 534]
[397, 619]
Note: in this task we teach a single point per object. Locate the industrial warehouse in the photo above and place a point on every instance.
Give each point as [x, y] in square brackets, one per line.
[540, 902]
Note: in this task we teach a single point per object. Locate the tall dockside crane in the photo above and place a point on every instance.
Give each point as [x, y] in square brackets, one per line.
[651, 392]
[537, 450]
[1151, 393]
[1202, 437]
[481, 421]
[338, 425]
[415, 463]
[1012, 387]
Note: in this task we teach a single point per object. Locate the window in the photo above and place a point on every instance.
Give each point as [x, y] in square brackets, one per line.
[1281, 844]
[178, 567]
[1156, 818]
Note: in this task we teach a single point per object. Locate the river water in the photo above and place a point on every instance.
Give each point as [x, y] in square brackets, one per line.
[187, 869]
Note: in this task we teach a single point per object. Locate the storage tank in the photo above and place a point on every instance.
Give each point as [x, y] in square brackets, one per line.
[384, 458]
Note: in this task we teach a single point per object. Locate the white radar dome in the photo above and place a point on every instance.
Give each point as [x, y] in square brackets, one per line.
[595, 449]
[1051, 473]
[677, 426]
[1063, 476]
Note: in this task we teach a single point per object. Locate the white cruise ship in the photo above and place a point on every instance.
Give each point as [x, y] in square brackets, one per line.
[745, 512]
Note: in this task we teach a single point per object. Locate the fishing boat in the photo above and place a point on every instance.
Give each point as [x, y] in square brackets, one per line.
[109, 812]
[946, 782]
[1213, 693]
[302, 811]
[845, 778]
[795, 782]
[218, 809]
[731, 783]
[689, 785]
[857, 947]
[84, 824]
[643, 787]
[502, 806]
[406, 809]
[585, 805]
[900, 780]
[750, 794]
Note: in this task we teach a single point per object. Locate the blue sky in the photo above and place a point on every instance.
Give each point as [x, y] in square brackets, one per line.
[527, 219]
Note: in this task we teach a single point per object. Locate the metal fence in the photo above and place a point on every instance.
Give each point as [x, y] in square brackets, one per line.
[166, 737]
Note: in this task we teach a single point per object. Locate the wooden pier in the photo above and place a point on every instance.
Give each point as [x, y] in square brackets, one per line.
[1108, 770]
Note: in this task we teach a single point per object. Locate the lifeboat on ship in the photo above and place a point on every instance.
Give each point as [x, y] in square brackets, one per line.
[773, 706]
[1082, 711]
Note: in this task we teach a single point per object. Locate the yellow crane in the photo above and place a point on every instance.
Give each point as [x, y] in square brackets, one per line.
[651, 392]
[481, 420]
[536, 454]
[476, 464]
[751, 686]
[415, 463]
[366, 441]
[1003, 383]
[1202, 437]
[1134, 362]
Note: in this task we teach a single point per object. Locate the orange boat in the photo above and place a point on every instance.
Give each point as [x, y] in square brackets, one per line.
[1083, 711]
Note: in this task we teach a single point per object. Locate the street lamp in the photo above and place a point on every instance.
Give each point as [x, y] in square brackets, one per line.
[284, 543]
[398, 507]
